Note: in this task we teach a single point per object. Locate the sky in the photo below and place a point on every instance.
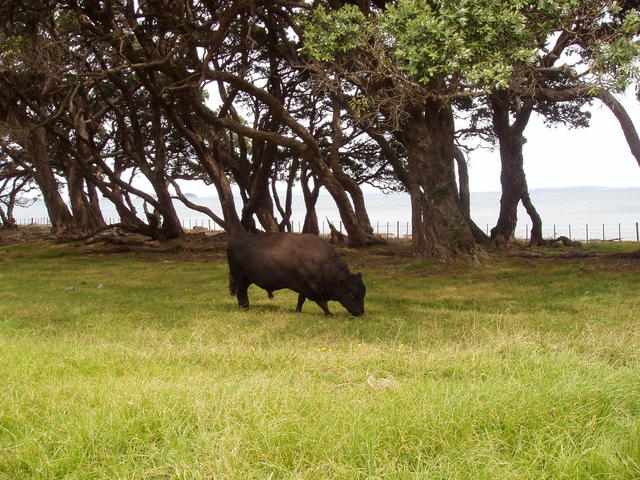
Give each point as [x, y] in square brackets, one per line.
[561, 157]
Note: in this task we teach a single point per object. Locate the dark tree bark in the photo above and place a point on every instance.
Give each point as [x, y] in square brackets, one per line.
[286, 210]
[439, 227]
[350, 186]
[33, 139]
[197, 131]
[61, 218]
[86, 211]
[259, 201]
[512, 175]
[626, 124]
[157, 175]
[307, 147]
[11, 187]
[310, 199]
[464, 197]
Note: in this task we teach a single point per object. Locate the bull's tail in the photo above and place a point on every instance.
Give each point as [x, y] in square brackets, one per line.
[232, 284]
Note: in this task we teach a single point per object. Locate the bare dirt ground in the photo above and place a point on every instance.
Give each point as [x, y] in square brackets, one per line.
[24, 234]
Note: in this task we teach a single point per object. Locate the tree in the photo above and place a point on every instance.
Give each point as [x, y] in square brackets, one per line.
[406, 66]
[15, 182]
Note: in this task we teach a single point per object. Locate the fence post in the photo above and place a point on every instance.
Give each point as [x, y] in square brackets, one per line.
[554, 231]
[387, 229]
[619, 232]
[397, 228]
[526, 234]
[603, 232]
[340, 226]
[586, 229]
[637, 234]
[570, 232]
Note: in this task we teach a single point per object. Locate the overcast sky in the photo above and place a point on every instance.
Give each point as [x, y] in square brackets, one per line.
[559, 157]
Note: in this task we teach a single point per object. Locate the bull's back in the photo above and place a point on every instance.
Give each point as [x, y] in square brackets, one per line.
[280, 260]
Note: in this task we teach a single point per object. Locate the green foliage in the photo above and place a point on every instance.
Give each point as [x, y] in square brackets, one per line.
[479, 41]
[618, 62]
[329, 34]
[477, 45]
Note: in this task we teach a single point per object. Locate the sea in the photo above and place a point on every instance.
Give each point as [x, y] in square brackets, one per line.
[584, 213]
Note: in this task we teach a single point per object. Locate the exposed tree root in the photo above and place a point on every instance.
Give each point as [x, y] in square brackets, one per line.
[634, 254]
[340, 239]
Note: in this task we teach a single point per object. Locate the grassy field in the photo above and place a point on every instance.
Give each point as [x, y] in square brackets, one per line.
[140, 366]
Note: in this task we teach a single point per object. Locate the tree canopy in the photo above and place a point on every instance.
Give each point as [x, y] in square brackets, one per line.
[327, 94]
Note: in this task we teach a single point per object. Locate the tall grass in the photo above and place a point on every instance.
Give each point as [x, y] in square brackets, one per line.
[147, 369]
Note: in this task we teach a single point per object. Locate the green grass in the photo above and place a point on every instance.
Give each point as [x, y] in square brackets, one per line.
[146, 369]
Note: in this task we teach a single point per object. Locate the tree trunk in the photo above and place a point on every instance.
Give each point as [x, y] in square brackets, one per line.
[512, 176]
[464, 197]
[512, 181]
[223, 189]
[61, 218]
[536, 222]
[10, 189]
[94, 202]
[626, 124]
[439, 227]
[198, 133]
[350, 186]
[84, 216]
[259, 201]
[156, 174]
[171, 226]
[310, 199]
[7, 224]
[286, 209]
[87, 218]
[358, 237]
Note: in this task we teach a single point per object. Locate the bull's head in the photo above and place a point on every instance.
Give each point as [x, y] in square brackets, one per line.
[351, 295]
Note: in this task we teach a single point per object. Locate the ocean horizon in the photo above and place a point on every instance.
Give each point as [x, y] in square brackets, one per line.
[578, 212]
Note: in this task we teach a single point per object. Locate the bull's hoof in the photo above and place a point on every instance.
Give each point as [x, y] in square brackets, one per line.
[328, 314]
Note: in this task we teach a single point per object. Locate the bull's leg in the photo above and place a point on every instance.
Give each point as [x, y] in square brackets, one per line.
[323, 305]
[242, 284]
[301, 299]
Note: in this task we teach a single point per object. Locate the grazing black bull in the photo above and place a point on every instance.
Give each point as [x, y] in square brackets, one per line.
[304, 263]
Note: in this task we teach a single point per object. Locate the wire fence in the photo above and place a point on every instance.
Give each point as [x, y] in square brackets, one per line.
[588, 232]
[592, 232]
